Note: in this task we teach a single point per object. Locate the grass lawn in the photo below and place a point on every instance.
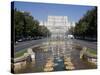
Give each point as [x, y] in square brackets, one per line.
[19, 53]
[91, 51]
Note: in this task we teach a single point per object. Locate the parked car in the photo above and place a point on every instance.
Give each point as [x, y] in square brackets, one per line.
[20, 40]
[71, 36]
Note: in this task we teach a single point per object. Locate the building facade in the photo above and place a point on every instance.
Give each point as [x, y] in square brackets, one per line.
[58, 25]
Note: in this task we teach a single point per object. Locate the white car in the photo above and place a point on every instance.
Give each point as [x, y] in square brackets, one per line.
[20, 40]
[71, 36]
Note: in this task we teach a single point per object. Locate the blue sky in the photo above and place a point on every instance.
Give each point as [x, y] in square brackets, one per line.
[40, 11]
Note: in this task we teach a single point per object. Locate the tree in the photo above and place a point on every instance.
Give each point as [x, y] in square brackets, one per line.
[87, 25]
[26, 26]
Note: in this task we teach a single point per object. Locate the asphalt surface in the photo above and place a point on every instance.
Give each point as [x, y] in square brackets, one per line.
[89, 44]
[27, 44]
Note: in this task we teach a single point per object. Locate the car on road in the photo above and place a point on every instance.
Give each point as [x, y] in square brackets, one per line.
[20, 40]
[71, 36]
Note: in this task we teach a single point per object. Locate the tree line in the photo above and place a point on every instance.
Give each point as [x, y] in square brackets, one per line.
[86, 27]
[26, 26]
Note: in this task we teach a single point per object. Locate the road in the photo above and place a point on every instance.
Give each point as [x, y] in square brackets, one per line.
[89, 44]
[27, 44]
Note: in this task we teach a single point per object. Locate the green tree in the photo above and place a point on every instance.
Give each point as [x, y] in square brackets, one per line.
[26, 26]
[87, 25]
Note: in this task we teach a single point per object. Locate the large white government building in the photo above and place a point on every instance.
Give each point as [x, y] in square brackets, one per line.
[58, 25]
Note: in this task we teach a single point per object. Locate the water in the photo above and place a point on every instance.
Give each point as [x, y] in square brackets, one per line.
[59, 64]
[57, 51]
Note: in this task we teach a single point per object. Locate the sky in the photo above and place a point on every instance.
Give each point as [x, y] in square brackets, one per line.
[40, 11]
